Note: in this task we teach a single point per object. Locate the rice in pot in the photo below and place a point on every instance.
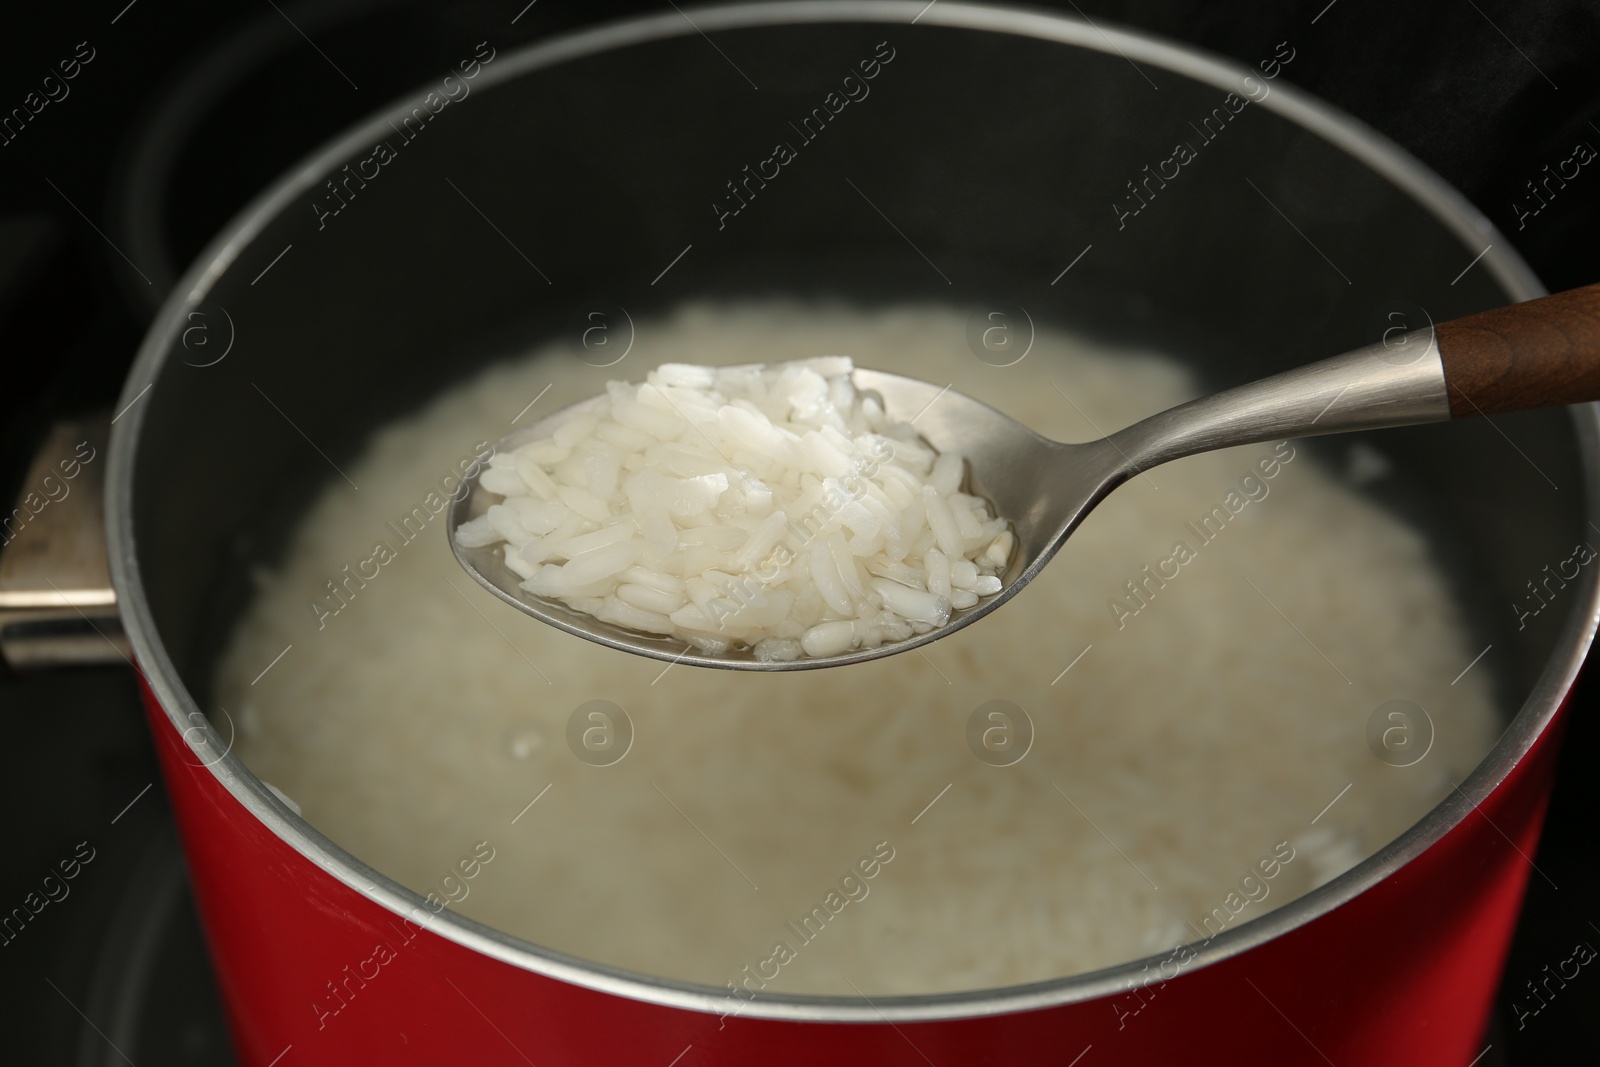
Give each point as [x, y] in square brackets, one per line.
[1192, 711]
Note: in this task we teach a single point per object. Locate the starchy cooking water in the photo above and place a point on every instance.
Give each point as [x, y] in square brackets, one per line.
[1139, 751]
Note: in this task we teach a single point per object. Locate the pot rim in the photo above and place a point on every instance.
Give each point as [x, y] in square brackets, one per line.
[1356, 139]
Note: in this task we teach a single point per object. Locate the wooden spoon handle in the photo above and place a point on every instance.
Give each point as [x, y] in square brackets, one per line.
[1541, 353]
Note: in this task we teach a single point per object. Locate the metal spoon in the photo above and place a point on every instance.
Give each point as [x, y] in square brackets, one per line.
[1542, 353]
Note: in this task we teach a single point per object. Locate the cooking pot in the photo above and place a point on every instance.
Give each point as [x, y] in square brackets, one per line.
[1005, 161]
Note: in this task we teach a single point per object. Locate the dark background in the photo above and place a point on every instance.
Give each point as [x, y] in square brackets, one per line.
[1485, 92]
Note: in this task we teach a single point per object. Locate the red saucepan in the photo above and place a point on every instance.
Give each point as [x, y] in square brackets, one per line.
[1031, 157]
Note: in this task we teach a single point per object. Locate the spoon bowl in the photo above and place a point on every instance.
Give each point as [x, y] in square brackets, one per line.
[992, 442]
[1541, 353]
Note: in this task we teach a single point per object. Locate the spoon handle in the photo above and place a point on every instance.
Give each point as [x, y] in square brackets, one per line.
[1537, 354]
[1541, 353]
[1385, 384]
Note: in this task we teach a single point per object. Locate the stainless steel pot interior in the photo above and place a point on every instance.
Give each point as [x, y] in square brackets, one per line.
[998, 140]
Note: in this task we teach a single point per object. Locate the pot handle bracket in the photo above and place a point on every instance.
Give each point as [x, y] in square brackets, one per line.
[57, 607]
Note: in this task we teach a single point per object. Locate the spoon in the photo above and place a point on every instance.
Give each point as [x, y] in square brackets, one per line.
[1541, 353]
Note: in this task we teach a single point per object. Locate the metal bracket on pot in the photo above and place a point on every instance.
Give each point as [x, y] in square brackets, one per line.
[57, 606]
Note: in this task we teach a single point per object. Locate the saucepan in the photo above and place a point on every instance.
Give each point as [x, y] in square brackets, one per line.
[1030, 170]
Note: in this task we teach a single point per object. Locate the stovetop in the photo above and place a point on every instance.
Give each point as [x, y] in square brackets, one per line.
[183, 111]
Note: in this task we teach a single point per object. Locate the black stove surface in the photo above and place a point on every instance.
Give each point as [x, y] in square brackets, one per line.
[115, 971]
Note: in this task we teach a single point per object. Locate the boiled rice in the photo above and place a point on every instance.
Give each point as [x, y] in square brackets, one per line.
[765, 507]
[1166, 763]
